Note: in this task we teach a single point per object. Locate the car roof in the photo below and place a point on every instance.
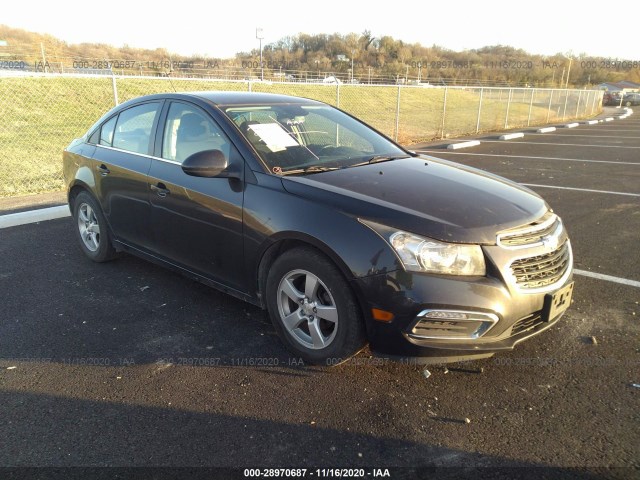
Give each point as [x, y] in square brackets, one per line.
[232, 98]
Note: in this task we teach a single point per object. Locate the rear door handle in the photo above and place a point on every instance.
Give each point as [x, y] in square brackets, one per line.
[104, 171]
[160, 189]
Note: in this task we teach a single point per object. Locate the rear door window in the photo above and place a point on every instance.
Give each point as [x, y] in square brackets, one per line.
[133, 128]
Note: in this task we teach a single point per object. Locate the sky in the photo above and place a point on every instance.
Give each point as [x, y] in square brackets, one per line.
[221, 29]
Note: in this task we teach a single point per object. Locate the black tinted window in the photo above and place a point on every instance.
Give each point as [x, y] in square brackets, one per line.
[133, 129]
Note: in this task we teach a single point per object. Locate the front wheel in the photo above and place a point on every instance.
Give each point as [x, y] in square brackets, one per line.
[312, 308]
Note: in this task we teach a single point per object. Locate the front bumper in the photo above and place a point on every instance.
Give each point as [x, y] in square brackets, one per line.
[500, 315]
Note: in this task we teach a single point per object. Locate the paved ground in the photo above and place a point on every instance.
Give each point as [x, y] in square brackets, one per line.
[127, 364]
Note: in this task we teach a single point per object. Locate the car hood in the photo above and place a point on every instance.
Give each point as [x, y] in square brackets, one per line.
[424, 195]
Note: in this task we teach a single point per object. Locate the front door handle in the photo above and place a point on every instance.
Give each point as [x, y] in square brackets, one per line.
[160, 189]
[104, 171]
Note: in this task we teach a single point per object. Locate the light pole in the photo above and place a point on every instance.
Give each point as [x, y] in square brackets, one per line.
[353, 52]
[260, 36]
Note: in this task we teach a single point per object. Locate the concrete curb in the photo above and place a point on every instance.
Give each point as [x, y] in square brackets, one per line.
[510, 136]
[546, 130]
[571, 125]
[34, 216]
[456, 146]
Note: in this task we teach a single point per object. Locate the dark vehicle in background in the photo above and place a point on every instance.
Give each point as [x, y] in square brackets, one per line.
[341, 234]
[611, 99]
[631, 99]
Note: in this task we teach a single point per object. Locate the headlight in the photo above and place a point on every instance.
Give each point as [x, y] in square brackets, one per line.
[419, 254]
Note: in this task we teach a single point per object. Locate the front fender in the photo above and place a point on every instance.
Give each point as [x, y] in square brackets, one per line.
[273, 215]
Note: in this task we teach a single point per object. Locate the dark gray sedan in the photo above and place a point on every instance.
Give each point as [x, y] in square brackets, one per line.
[341, 234]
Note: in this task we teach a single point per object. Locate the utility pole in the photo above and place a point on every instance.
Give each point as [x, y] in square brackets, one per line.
[566, 85]
[44, 60]
[353, 52]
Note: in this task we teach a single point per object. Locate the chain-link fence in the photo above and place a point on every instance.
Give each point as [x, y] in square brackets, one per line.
[41, 114]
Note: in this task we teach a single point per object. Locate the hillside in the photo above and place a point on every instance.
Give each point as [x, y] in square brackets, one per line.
[311, 57]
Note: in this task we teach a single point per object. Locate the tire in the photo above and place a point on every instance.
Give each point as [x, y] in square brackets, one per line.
[313, 309]
[628, 104]
[91, 229]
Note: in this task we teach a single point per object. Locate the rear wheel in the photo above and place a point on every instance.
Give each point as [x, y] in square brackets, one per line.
[91, 229]
[312, 308]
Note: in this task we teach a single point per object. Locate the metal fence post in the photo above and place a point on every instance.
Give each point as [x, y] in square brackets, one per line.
[586, 102]
[549, 110]
[506, 116]
[479, 111]
[578, 105]
[249, 86]
[115, 89]
[566, 99]
[337, 95]
[397, 115]
[530, 107]
[444, 112]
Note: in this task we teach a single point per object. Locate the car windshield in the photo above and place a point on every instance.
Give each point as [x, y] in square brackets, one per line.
[305, 139]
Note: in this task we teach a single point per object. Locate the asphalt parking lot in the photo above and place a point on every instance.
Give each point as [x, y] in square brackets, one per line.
[127, 364]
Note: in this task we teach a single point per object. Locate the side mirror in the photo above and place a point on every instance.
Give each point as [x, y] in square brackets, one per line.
[207, 163]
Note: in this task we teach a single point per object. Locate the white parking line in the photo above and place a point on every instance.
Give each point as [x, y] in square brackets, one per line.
[608, 278]
[603, 129]
[579, 135]
[436, 152]
[560, 144]
[581, 189]
[34, 216]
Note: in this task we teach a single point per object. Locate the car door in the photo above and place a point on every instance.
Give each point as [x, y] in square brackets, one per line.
[122, 161]
[196, 221]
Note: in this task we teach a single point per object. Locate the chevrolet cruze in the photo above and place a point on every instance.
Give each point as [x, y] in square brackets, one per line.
[343, 236]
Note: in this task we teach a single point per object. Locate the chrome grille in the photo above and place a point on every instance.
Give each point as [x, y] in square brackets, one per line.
[531, 234]
[542, 270]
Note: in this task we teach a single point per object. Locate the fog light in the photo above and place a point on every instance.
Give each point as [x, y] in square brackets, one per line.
[446, 314]
[452, 324]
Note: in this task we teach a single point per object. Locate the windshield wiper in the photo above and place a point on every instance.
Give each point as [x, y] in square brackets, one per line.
[311, 169]
[378, 159]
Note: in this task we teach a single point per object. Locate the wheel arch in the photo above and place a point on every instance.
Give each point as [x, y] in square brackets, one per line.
[286, 241]
[75, 190]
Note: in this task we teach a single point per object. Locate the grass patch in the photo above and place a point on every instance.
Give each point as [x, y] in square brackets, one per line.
[41, 115]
